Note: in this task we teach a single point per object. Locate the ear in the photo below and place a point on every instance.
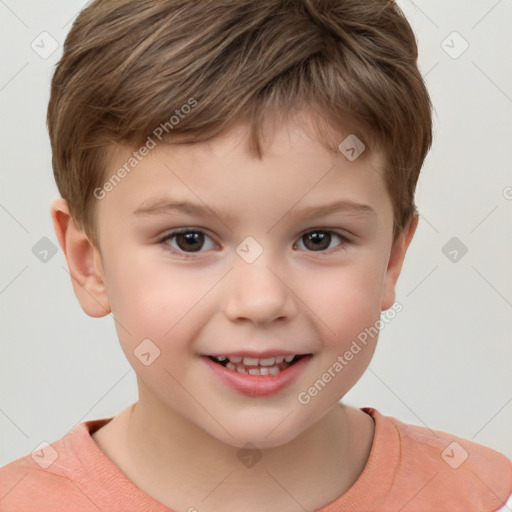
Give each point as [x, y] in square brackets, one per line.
[396, 260]
[84, 262]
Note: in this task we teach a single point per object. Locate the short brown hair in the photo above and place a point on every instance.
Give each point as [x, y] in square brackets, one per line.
[127, 65]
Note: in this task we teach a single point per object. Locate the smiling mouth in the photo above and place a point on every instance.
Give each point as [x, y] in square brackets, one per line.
[257, 366]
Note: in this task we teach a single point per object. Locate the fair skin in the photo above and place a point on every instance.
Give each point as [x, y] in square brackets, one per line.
[180, 442]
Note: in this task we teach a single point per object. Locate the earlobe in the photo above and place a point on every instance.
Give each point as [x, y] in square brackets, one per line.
[396, 260]
[84, 262]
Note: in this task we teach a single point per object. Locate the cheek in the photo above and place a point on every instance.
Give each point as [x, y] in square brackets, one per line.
[151, 295]
[156, 302]
[345, 300]
[347, 308]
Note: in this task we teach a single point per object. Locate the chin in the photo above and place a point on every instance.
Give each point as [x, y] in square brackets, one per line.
[271, 431]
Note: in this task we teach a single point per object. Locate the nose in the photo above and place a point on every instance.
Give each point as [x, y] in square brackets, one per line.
[256, 292]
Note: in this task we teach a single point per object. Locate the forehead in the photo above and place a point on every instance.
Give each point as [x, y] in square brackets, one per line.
[296, 170]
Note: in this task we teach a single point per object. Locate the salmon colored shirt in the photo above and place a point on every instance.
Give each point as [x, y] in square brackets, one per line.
[409, 469]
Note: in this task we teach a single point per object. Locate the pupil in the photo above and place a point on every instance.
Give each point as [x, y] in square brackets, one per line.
[319, 240]
[193, 240]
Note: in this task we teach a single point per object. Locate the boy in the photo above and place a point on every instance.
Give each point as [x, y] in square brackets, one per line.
[258, 131]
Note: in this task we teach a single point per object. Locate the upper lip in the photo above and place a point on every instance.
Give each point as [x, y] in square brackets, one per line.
[259, 355]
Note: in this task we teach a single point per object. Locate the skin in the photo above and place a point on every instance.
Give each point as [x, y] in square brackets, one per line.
[187, 426]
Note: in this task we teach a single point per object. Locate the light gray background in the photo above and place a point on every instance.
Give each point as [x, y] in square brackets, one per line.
[444, 361]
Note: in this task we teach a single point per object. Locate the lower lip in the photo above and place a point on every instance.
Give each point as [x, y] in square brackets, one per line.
[258, 385]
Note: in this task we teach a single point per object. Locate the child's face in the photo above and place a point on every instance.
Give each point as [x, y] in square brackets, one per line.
[213, 293]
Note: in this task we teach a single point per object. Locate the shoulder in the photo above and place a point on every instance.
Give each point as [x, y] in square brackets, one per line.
[24, 484]
[49, 479]
[446, 471]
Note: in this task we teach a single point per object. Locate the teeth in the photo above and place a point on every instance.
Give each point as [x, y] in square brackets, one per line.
[262, 370]
[265, 366]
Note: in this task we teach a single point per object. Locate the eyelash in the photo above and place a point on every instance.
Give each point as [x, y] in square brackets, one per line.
[188, 255]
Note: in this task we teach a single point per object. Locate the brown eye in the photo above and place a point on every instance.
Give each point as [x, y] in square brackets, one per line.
[187, 241]
[319, 240]
[190, 241]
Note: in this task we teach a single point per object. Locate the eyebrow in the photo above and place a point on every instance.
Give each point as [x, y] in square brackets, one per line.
[166, 206]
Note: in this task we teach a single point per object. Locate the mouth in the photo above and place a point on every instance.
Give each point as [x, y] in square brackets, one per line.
[262, 376]
[257, 366]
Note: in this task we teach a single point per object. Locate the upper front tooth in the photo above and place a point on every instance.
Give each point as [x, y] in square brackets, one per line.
[255, 361]
[251, 361]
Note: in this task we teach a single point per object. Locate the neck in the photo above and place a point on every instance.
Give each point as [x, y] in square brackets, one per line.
[154, 448]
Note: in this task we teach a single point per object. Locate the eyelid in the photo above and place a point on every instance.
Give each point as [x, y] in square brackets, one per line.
[171, 234]
[340, 232]
[344, 240]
